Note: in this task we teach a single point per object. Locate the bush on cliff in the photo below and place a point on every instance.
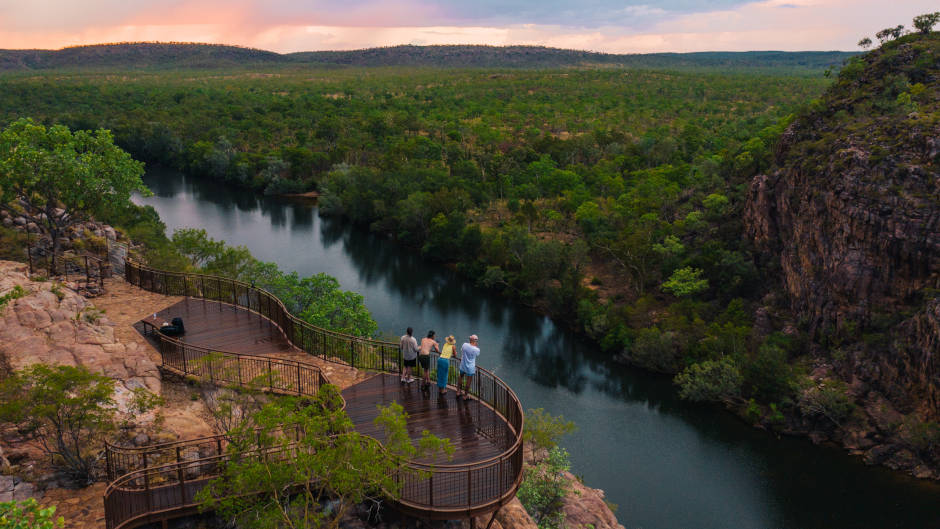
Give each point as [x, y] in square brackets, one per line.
[68, 410]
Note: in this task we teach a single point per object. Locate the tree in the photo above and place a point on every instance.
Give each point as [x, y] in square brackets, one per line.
[56, 178]
[686, 282]
[542, 430]
[865, 43]
[925, 23]
[711, 380]
[298, 463]
[67, 409]
[890, 33]
[28, 515]
[544, 488]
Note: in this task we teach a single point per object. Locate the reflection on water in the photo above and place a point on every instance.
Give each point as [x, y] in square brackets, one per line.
[665, 462]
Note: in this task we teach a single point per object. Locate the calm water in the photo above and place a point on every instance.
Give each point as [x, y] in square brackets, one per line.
[665, 462]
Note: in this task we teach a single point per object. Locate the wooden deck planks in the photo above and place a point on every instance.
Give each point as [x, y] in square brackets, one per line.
[226, 328]
[476, 431]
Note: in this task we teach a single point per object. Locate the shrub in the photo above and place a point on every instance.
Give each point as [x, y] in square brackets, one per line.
[656, 350]
[544, 488]
[711, 380]
[829, 399]
[28, 515]
[768, 376]
[69, 410]
[686, 282]
[14, 293]
[544, 430]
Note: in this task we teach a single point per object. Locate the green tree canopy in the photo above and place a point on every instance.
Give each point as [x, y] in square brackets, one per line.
[56, 178]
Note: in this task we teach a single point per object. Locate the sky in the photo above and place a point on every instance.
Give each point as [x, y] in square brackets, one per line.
[624, 26]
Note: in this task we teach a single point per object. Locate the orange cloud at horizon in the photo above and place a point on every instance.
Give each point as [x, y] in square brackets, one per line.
[769, 24]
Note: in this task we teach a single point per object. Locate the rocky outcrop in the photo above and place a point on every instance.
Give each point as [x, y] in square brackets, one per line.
[52, 324]
[850, 217]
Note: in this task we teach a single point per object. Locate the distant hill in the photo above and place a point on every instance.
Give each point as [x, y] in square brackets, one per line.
[136, 55]
[177, 55]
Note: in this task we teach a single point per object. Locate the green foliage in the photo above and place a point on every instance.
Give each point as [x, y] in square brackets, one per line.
[711, 380]
[925, 23]
[15, 293]
[829, 399]
[542, 430]
[44, 169]
[922, 436]
[316, 299]
[309, 473]
[686, 282]
[28, 515]
[544, 488]
[69, 410]
[768, 376]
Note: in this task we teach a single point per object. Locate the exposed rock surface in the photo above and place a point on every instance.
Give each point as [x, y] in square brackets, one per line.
[54, 325]
[851, 216]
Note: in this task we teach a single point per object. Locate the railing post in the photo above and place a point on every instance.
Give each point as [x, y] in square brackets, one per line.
[270, 376]
[179, 475]
[298, 378]
[469, 488]
[431, 489]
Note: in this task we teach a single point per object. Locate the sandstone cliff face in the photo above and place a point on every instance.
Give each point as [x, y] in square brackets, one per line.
[851, 215]
[54, 325]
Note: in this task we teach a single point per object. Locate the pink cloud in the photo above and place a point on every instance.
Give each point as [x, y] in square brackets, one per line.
[769, 24]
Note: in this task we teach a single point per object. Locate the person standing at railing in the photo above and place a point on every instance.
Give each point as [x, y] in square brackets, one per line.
[424, 357]
[468, 365]
[443, 363]
[408, 347]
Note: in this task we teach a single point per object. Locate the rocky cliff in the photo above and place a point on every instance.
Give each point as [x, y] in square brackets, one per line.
[849, 221]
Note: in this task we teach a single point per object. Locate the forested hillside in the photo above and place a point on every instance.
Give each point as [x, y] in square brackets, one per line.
[610, 198]
[163, 56]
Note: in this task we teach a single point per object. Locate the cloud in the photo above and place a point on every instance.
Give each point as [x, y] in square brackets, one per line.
[600, 25]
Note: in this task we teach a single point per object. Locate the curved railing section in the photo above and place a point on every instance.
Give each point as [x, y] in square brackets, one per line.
[458, 490]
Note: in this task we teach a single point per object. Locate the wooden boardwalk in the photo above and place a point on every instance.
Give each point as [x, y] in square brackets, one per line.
[476, 432]
[224, 327]
[237, 320]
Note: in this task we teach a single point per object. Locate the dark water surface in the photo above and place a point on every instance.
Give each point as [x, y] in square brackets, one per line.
[665, 462]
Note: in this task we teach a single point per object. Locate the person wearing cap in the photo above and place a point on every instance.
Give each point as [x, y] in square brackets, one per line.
[443, 363]
[468, 365]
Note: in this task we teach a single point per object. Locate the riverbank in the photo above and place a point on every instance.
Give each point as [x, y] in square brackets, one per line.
[37, 317]
[636, 440]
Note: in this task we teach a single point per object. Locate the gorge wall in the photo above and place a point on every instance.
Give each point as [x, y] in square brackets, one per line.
[849, 222]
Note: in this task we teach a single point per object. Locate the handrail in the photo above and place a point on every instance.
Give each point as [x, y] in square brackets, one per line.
[502, 473]
[260, 372]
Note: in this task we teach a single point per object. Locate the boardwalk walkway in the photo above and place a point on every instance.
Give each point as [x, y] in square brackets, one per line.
[254, 332]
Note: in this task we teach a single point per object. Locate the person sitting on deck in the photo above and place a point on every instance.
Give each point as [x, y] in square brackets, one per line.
[174, 328]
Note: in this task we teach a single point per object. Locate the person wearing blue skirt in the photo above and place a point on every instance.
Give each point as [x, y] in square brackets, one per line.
[443, 364]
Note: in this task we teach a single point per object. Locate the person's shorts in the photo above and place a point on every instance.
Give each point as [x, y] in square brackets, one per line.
[411, 363]
[425, 361]
[468, 372]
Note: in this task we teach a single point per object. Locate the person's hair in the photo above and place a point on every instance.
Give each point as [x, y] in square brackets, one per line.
[409, 330]
[430, 334]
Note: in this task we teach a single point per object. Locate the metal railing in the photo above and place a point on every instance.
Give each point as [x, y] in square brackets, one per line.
[440, 491]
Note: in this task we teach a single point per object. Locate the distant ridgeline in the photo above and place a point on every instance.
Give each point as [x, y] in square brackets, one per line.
[188, 55]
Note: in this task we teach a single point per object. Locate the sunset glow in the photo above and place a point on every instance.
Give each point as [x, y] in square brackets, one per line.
[603, 25]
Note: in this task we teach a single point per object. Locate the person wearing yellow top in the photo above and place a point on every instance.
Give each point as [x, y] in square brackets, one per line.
[443, 364]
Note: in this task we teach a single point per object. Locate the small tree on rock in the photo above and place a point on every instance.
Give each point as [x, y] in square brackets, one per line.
[925, 23]
[865, 43]
[56, 178]
[68, 410]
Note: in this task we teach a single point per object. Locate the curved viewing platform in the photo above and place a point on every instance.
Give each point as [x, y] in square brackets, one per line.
[237, 333]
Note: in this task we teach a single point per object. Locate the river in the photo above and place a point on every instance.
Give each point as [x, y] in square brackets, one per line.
[666, 463]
